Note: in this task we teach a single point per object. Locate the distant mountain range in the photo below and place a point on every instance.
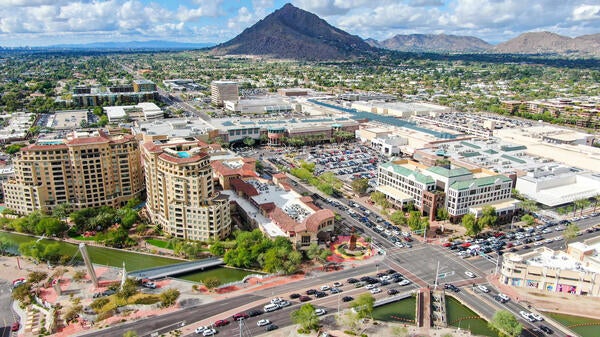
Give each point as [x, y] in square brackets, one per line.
[293, 33]
[432, 43]
[550, 43]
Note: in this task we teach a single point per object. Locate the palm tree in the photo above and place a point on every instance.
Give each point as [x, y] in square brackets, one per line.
[529, 205]
[583, 203]
[596, 200]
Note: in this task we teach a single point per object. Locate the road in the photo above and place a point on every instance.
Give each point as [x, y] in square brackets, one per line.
[7, 316]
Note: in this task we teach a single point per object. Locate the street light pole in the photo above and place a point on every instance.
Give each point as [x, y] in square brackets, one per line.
[437, 273]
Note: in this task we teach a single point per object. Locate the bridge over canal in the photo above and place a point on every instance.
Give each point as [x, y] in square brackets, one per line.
[176, 269]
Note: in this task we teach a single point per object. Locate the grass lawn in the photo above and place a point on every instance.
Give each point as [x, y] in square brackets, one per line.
[584, 326]
[158, 243]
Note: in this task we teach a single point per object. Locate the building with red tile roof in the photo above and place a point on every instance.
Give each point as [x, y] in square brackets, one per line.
[278, 211]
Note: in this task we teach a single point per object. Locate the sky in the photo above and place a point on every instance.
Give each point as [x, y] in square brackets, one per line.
[49, 22]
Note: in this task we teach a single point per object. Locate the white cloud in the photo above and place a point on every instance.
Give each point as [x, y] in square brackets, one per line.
[586, 13]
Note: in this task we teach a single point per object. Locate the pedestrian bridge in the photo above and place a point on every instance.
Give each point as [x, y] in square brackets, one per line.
[176, 269]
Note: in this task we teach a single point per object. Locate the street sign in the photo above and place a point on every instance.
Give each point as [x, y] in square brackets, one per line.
[446, 274]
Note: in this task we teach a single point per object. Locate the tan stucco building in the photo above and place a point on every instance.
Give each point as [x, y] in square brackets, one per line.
[86, 169]
[181, 196]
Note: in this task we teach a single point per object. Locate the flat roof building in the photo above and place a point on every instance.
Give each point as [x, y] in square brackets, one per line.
[457, 189]
[181, 196]
[86, 169]
[221, 91]
[575, 271]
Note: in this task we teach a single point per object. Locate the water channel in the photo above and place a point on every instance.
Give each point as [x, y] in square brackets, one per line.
[133, 261]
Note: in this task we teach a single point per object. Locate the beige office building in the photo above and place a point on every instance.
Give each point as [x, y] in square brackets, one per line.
[86, 169]
[223, 91]
[181, 196]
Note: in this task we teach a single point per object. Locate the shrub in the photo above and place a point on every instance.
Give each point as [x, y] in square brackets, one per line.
[146, 300]
[99, 303]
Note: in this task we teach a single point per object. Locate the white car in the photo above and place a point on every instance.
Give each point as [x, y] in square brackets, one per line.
[404, 283]
[504, 296]
[325, 288]
[284, 304]
[483, 288]
[375, 291]
[200, 329]
[469, 274]
[337, 284]
[527, 316]
[536, 317]
[209, 332]
[277, 300]
[320, 312]
[263, 322]
[370, 286]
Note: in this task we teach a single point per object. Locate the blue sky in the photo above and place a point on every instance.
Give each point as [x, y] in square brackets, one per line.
[47, 22]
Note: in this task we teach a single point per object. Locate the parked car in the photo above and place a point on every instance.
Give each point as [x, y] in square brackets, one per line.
[240, 316]
[404, 283]
[295, 295]
[483, 288]
[255, 312]
[209, 332]
[546, 329]
[200, 329]
[15, 326]
[304, 298]
[470, 274]
[320, 312]
[347, 298]
[221, 322]
[271, 327]
[263, 322]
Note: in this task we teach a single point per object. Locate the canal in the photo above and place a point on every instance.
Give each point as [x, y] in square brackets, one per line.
[133, 261]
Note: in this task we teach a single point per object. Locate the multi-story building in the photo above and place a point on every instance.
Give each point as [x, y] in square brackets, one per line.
[459, 190]
[223, 91]
[180, 191]
[86, 169]
[574, 271]
[140, 91]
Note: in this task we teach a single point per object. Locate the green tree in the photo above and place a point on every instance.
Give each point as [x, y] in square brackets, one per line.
[360, 186]
[36, 277]
[363, 305]
[398, 218]
[217, 248]
[416, 222]
[506, 324]
[62, 211]
[442, 214]
[313, 251]
[570, 232]
[306, 317]
[212, 282]
[529, 206]
[169, 297]
[378, 197]
[128, 289]
[22, 293]
[528, 219]
[249, 141]
[130, 333]
[471, 224]
[13, 148]
[488, 217]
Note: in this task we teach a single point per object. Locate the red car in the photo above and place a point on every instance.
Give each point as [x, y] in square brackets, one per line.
[221, 322]
[240, 316]
[447, 244]
[15, 326]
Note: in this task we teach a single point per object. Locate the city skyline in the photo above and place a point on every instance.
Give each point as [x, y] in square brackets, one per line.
[50, 22]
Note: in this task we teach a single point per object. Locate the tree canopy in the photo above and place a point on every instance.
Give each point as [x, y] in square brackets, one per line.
[306, 317]
[363, 305]
[471, 224]
[506, 324]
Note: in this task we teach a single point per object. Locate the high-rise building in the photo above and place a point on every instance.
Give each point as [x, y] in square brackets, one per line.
[223, 91]
[86, 169]
[180, 191]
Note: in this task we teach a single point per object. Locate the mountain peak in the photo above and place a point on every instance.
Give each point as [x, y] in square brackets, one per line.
[433, 43]
[293, 33]
[549, 43]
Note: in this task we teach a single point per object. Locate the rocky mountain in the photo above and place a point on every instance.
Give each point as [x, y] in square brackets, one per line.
[432, 43]
[293, 33]
[550, 43]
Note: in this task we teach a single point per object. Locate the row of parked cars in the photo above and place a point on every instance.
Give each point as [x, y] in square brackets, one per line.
[210, 330]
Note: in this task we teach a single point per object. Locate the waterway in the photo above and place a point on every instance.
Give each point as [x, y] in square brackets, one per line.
[464, 318]
[402, 311]
[133, 261]
[585, 327]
